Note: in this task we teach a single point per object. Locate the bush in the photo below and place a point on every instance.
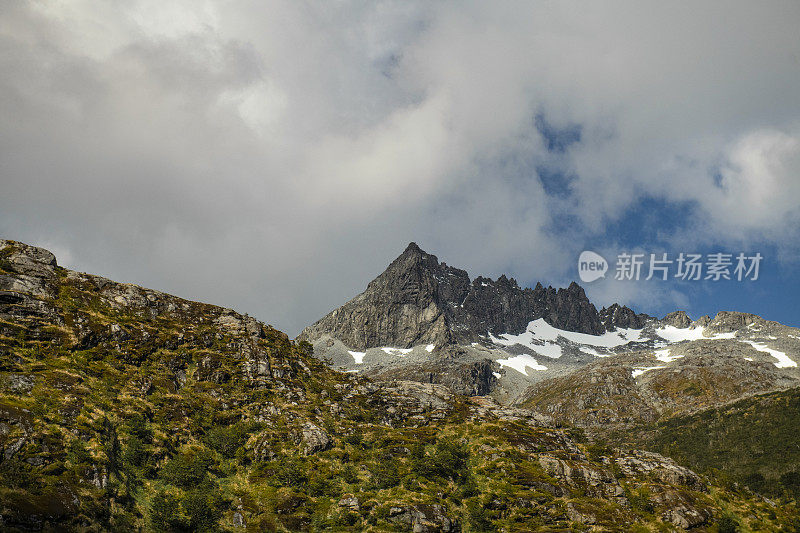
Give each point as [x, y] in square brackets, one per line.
[196, 510]
[164, 511]
[136, 426]
[134, 453]
[285, 472]
[791, 482]
[727, 524]
[598, 449]
[384, 473]
[756, 482]
[203, 509]
[478, 517]
[77, 453]
[640, 500]
[228, 440]
[448, 460]
[349, 474]
[187, 469]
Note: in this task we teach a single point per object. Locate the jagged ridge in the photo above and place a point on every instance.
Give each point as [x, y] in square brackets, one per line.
[418, 300]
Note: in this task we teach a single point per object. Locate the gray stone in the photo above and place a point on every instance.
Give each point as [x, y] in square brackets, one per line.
[351, 502]
[678, 319]
[314, 438]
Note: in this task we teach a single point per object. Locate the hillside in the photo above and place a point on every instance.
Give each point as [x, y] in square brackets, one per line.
[127, 409]
[752, 442]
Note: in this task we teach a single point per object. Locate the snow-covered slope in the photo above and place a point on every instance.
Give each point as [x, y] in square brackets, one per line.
[541, 342]
[542, 352]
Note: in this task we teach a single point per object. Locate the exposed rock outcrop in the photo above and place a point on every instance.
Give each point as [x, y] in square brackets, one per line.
[617, 316]
[678, 319]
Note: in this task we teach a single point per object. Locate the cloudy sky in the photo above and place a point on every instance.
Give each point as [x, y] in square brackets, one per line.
[275, 156]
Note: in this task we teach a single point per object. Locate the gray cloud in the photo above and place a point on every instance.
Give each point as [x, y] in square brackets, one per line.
[274, 156]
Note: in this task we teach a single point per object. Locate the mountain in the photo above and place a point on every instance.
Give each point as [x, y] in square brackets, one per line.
[624, 378]
[425, 321]
[418, 300]
[127, 409]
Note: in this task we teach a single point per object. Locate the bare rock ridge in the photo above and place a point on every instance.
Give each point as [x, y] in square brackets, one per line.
[418, 300]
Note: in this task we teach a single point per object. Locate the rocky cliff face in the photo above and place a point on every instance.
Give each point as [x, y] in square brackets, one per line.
[418, 300]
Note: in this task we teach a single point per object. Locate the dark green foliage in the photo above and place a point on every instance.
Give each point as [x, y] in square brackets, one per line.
[727, 524]
[285, 472]
[478, 517]
[447, 459]
[640, 499]
[77, 453]
[227, 440]
[194, 510]
[349, 474]
[134, 453]
[385, 473]
[137, 426]
[164, 511]
[791, 482]
[111, 445]
[755, 435]
[188, 468]
[598, 449]
[203, 509]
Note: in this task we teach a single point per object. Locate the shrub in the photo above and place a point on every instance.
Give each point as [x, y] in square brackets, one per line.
[136, 426]
[727, 524]
[640, 500]
[756, 482]
[134, 453]
[285, 472]
[349, 474]
[228, 440]
[203, 509]
[478, 517]
[77, 453]
[448, 460]
[188, 468]
[791, 482]
[385, 474]
[164, 511]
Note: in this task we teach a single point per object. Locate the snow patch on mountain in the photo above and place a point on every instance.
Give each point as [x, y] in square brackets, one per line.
[539, 330]
[665, 356]
[400, 352]
[783, 360]
[638, 371]
[521, 363]
[358, 357]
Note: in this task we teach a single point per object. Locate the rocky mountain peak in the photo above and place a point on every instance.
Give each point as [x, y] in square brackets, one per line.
[678, 319]
[412, 249]
[419, 300]
[620, 316]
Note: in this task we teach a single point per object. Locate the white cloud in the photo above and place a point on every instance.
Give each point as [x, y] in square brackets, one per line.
[760, 183]
[274, 156]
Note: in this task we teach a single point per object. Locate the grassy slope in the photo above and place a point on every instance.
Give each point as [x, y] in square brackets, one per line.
[751, 437]
[111, 440]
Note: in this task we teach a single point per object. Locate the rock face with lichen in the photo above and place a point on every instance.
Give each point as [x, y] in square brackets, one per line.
[123, 408]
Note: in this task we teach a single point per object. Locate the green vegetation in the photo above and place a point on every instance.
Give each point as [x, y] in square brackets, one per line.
[158, 414]
[752, 442]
